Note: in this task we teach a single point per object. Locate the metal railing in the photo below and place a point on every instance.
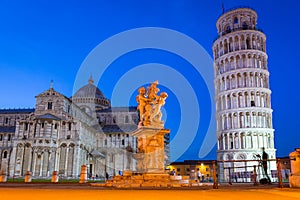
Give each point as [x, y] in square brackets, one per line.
[247, 171]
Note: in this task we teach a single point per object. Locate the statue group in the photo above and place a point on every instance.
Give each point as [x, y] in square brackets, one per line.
[149, 105]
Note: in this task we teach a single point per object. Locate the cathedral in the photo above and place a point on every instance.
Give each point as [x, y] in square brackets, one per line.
[62, 134]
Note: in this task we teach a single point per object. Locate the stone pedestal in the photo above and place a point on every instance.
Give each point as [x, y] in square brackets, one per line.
[83, 174]
[54, 177]
[150, 155]
[27, 177]
[295, 168]
[150, 158]
[3, 177]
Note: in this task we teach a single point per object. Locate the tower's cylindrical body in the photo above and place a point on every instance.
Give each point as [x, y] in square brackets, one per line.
[243, 95]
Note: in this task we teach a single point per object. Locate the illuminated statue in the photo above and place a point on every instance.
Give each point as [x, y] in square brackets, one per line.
[142, 102]
[149, 105]
[156, 111]
[152, 92]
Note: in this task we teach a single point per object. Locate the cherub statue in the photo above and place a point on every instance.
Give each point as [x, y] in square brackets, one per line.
[152, 92]
[156, 111]
[149, 105]
[142, 102]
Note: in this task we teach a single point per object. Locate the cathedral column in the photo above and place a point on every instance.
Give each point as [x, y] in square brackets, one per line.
[48, 164]
[29, 160]
[66, 161]
[56, 159]
[33, 162]
[22, 159]
[42, 162]
[12, 163]
[75, 170]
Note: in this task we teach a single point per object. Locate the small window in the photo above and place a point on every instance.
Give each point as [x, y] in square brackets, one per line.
[26, 126]
[55, 126]
[252, 104]
[105, 142]
[228, 29]
[9, 137]
[70, 126]
[114, 120]
[43, 124]
[245, 26]
[127, 135]
[6, 120]
[49, 105]
[236, 20]
[123, 142]
[1, 137]
[178, 169]
[68, 137]
[5, 154]
[109, 135]
[187, 169]
[119, 135]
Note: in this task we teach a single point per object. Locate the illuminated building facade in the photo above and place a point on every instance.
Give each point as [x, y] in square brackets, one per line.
[192, 167]
[243, 95]
[62, 134]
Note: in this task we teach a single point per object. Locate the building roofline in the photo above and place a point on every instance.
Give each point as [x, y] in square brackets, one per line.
[118, 109]
[16, 110]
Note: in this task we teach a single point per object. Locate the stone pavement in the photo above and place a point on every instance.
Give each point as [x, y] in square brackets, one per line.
[37, 191]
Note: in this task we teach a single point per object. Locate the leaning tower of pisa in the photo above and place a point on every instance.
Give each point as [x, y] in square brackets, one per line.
[243, 95]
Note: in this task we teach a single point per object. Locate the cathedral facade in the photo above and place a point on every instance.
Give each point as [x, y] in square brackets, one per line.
[62, 134]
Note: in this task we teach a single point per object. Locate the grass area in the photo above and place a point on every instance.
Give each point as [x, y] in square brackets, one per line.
[15, 180]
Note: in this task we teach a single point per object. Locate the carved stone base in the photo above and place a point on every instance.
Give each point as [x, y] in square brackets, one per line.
[146, 180]
[150, 156]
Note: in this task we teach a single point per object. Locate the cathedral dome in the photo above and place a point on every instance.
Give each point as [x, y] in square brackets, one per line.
[90, 91]
[90, 99]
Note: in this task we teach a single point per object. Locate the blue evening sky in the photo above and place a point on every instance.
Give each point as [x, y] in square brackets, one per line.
[47, 40]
